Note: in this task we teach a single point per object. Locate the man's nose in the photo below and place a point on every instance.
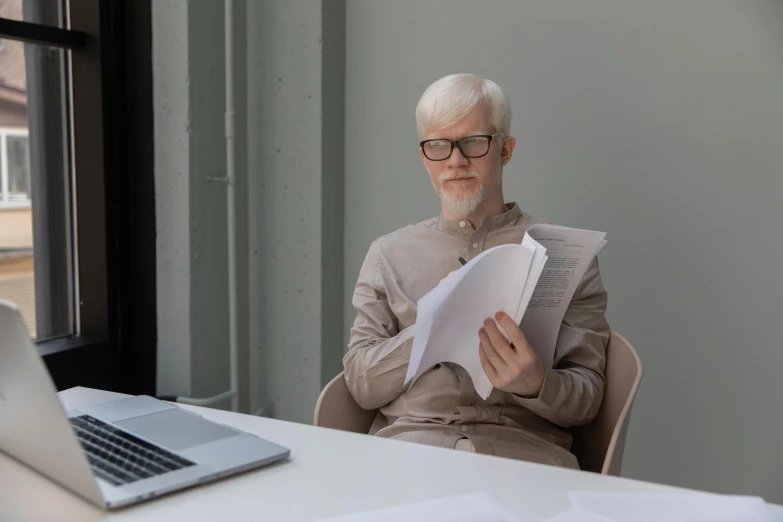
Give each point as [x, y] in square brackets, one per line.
[457, 159]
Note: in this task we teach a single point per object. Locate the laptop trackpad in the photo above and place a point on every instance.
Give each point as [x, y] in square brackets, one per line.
[175, 429]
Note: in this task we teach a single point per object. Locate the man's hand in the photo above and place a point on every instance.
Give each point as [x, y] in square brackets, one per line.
[514, 367]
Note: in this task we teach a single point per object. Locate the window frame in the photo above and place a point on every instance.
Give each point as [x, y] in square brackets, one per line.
[111, 157]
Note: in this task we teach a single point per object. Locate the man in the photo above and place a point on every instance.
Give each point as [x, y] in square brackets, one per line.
[464, 124]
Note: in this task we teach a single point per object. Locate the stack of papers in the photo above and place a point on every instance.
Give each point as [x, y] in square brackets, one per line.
[589, 506]
[533, 282]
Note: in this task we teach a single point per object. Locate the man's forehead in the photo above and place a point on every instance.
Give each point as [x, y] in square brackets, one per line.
[477, 121]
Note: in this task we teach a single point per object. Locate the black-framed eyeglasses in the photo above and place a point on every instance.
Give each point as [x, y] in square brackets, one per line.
[440, 149]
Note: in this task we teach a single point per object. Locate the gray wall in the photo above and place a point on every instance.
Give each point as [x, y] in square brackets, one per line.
[208, 247]
[172, 206]
[295, 124]
[191, 210]
[658, 122]
[289, 90]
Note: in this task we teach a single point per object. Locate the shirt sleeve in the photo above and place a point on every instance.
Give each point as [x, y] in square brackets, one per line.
[378, 352]
[574, 387]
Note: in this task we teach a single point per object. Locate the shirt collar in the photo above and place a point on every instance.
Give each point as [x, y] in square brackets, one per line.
[512, 213]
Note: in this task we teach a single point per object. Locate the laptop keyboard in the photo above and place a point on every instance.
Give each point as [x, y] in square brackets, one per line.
[120, 458]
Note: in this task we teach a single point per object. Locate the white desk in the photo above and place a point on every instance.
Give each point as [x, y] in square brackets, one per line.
[329, 473]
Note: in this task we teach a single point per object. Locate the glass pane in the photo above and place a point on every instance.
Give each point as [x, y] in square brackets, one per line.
[35, 209]
[45, 12]
[18, 168]
[475, 146]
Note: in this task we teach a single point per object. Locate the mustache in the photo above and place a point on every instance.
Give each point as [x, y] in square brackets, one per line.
[462, 174]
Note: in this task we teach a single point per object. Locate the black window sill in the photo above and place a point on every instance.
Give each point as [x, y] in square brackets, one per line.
[84, 360]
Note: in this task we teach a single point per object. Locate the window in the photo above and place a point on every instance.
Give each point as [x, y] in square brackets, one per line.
[14, 168]
[76, 187]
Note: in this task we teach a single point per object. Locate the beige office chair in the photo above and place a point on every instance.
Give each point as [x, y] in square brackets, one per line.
[598, 446]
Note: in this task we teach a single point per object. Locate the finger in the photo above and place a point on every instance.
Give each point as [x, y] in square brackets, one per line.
[514, 332]
[492, 355]
[488, 368]
[499, 342]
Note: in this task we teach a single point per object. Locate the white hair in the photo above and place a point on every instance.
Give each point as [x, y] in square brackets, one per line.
[451, 98]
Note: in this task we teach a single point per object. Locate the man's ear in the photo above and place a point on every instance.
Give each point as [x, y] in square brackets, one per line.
[507, 149]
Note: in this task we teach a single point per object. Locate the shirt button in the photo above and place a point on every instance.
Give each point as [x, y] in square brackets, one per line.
[462, 224]
[475, 245]
[464, 428]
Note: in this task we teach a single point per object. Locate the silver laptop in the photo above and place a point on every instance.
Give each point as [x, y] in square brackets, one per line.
[116, 453]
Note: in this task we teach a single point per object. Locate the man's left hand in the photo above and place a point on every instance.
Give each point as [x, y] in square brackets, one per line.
[514, 367]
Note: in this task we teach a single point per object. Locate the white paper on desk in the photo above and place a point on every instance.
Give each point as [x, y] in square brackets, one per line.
[569, 252]
[449, 316]
[473, 507]
[577, 515]
[673, 507]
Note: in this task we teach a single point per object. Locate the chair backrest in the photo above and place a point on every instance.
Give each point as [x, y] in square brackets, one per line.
[598, 446]
[336, 408]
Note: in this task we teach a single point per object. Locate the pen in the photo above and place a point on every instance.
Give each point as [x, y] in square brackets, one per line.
[462, 260]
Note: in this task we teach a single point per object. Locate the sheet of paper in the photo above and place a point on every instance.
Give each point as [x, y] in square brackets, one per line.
[473, 507]
[569, 251]
[449, 316]
[536, 266]
[673, 507]
[577, 515]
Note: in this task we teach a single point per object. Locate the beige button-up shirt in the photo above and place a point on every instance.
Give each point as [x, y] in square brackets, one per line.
[442, 407]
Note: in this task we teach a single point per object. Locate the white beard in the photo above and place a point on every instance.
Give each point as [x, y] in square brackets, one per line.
[465, 203]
